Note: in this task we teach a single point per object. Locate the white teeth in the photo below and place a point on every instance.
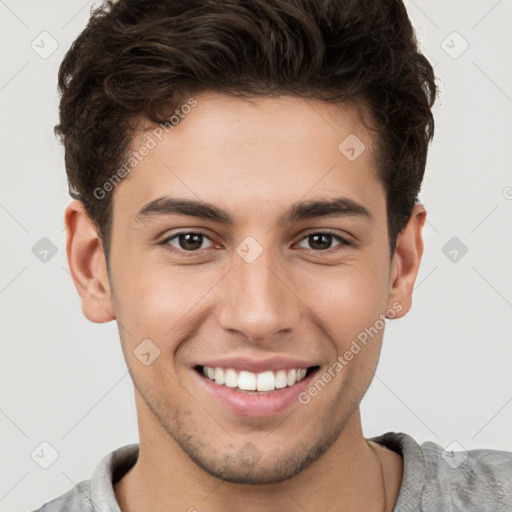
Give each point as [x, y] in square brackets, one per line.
[219, 375]
[249, 381]
[280, 381]
[265, 381]
[291, 378]
[231, 378]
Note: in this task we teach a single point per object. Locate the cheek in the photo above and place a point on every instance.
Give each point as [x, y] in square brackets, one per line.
[346, 300]
[158, 301]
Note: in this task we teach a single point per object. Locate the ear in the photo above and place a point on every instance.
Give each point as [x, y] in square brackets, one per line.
[406, 262]
[87, 264]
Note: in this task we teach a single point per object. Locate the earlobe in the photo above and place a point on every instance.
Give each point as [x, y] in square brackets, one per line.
[406, 261]
[87, 264]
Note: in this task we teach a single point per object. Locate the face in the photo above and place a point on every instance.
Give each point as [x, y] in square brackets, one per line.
[249, 251]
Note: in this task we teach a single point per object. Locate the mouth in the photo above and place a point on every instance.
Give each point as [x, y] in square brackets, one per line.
[243, 381]
[259, 394]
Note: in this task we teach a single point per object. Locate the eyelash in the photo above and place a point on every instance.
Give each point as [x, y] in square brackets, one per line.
[342, 242]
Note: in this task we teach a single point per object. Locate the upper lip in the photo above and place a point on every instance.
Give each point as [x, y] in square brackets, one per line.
[257, 365]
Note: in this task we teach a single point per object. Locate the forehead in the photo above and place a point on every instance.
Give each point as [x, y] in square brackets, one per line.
[218, 118]
[265, 150]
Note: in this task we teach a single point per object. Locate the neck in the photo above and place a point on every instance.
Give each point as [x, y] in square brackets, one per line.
[347, 476]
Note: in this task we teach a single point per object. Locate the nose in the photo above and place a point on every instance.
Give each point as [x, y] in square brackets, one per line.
[258, 301]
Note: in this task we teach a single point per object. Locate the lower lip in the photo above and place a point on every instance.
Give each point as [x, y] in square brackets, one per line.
[256, 405]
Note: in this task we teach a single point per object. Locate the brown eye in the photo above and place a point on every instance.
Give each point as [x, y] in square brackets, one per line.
[186, 241]
[322, 241]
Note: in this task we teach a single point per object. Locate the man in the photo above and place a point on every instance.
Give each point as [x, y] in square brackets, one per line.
[245, 177]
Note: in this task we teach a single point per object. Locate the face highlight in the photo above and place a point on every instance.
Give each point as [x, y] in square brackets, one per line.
[247, 242]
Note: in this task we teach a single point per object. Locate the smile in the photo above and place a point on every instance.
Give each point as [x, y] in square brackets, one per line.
[254, 383]
[254, 387]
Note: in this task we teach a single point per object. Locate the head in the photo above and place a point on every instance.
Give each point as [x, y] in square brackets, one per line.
[258, 111]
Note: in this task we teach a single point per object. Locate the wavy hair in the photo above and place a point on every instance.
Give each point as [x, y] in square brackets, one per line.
[141, 59]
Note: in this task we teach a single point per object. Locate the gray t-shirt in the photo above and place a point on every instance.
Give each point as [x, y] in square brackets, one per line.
[433, 481]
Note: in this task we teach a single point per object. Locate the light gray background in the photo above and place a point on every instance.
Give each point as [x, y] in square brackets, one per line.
[445, 370]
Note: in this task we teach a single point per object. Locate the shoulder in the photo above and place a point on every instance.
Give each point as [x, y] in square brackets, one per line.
[478, 479]
[76, 499]
[436, 478]
[97, 494]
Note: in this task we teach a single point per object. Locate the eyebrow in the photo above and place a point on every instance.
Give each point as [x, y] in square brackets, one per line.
[335, 207]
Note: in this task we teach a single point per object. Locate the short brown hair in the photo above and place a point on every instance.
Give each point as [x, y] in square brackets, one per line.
[141, 59]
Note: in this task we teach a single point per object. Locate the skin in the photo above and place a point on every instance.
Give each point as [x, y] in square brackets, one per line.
[254, 159]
